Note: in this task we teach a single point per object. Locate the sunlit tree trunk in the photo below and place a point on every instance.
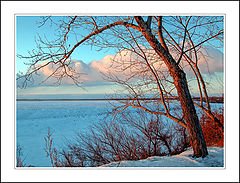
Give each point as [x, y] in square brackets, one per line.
[190, 116]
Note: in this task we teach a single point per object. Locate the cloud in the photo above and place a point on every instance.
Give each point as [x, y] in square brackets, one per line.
[211, 60]
[85, 72]
[125, 64]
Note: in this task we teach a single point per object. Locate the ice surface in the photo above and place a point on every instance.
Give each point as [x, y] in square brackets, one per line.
[65, 119]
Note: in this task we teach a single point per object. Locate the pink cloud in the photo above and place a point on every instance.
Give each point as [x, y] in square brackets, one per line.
[125, 64]
[211, 60]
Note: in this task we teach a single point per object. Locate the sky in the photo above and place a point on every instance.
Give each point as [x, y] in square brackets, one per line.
[90, 61]
[27, 28]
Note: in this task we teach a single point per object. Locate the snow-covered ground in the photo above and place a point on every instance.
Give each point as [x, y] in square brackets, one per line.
[185, 159]
[65, 119]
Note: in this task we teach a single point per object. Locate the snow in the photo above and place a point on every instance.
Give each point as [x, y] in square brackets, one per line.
[185, 159]
[65, 119]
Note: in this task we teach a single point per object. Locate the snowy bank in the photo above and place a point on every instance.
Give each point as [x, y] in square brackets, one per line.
[185, 159]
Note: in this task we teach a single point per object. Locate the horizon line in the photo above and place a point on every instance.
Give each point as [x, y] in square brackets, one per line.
[212, 99]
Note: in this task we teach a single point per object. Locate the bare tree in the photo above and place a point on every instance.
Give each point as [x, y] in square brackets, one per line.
[162, 49]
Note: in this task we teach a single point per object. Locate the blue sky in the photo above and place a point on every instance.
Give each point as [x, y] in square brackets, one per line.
[26, 32]
[27, 29]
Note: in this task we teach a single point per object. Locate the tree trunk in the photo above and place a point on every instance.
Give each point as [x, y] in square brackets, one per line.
[179, 77]
[190, 116]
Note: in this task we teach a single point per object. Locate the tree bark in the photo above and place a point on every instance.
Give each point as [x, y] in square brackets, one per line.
[190, 116]
[179, 77]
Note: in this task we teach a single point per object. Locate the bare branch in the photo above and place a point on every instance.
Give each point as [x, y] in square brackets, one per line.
[160, 34]
[149, 21]
[199, 44]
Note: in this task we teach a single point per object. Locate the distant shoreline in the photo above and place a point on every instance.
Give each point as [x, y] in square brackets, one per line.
[211, 99]
[115, 99]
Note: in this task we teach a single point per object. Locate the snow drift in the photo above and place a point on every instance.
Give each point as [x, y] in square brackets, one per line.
[185, 159]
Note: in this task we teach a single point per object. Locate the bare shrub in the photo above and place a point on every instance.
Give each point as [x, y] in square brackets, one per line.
[161, 135]
[126, 139]
[20, 159]
[51, 151]
[212, 131]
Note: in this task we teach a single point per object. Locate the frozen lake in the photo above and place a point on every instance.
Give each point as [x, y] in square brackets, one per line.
[64, 118]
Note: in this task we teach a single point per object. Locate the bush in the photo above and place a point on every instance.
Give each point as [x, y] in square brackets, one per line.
[131, 136]
[20, 159]
[212, 131]
[122, 139]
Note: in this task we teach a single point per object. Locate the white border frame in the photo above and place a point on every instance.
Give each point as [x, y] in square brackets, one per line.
[10, 174]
